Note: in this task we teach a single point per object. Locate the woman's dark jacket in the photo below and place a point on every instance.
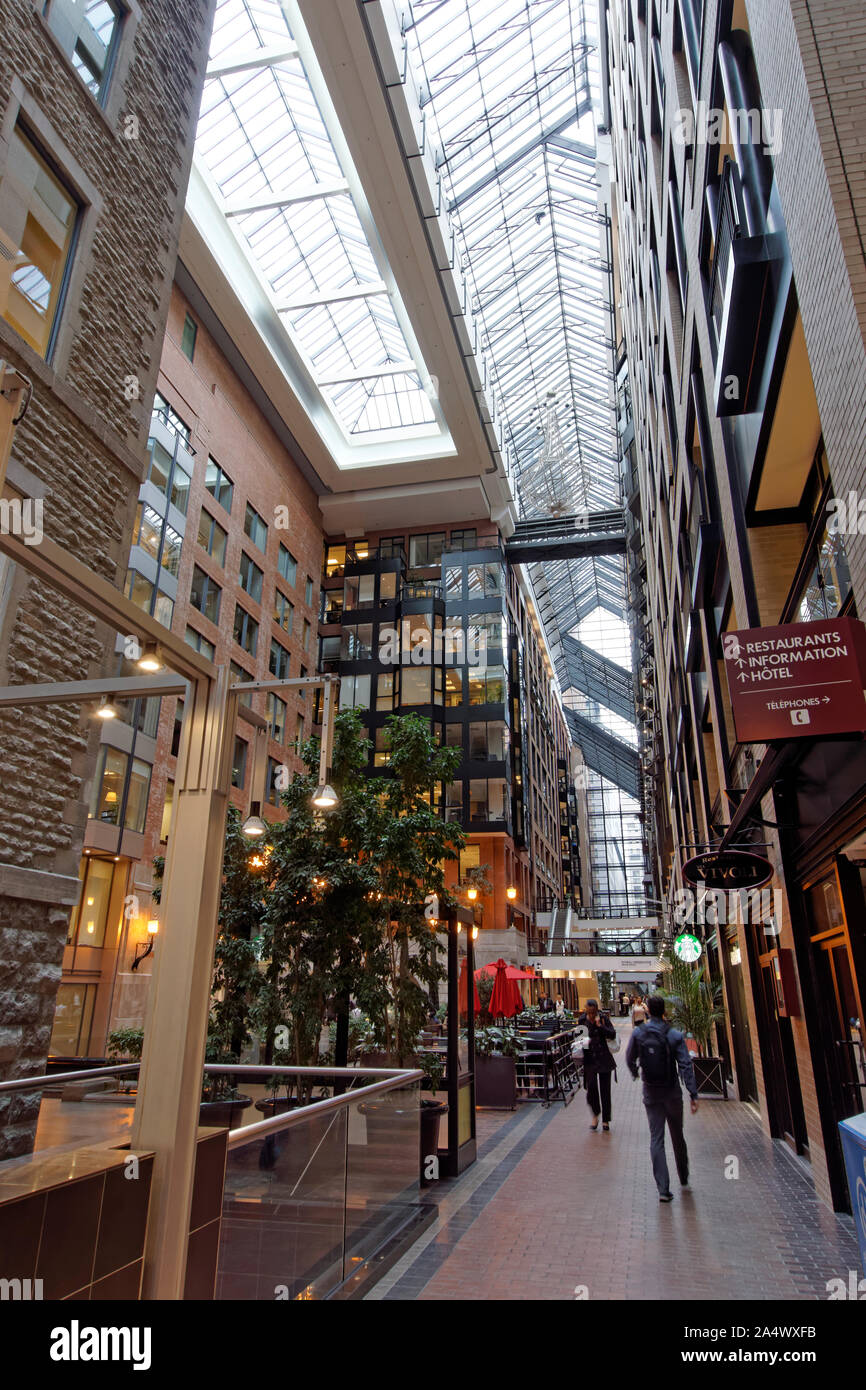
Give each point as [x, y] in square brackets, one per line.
[596, 1053]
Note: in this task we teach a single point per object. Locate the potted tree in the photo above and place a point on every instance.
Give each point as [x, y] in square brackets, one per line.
[694, 1005]
[495, 1068]
[433, 1066]
[125, 1045]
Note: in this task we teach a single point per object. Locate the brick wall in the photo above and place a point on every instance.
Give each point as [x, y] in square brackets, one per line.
[81, 445]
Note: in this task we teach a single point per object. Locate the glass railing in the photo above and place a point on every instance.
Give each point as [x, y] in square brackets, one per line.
[47, 1115]
[311, 1195]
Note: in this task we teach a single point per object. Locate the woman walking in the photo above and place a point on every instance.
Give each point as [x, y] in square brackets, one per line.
[598, 1063]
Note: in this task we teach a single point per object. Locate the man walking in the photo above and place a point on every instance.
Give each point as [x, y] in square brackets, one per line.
[660, 1051]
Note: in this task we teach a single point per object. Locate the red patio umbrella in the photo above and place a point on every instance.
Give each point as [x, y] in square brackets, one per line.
[505, 1001]
[513, 972]
[463, 990]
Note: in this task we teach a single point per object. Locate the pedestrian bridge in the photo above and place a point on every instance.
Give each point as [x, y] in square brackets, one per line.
[632, 948]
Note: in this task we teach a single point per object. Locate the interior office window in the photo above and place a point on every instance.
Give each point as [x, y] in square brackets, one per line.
[205, 594]
[359, 591]
[250, 578]
[330, 649]
[140, 590]
[136, 796]
[391, 546]
[357, 643]
[87, 921]
[484, 580]
[387, 587]
[239, 675]
[188, 337]
[453, 686]
[167, 413]
[159, 469]
[276, 714]
[73, 1019]
[180, 486]
[167, 808]
[466, 539]
[497, 798]
[385, 691]
[279, 660]
[283, 612]
[272, 795]
[148, 722]
[355, 692]
[219, 484]
[454, 735]
[426, 550]
[453, 581]
[198, 643]
[171, 548]
[147, 531]
[308, 592]
[177, 729]
[239, 763]
[246, 630]
[108, 785]
[88, 31]
[212, 537]
[454, 801]
[255, 528]
[299, 736]
[335, 560]
[302, 694]
[287, 565]
[307, 631]
[382, 750]
[38, 218]
[486, 685]
[415, 686]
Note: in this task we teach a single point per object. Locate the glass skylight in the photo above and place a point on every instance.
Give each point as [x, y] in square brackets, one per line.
[272, 163]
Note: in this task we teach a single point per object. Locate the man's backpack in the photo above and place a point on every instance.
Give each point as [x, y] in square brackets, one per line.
[658, 1065]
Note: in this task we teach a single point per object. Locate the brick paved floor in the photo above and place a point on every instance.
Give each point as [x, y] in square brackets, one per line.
[550, 1206]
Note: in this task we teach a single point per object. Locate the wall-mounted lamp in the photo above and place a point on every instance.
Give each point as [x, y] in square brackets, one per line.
[472, 894]
[511, 893]
[144, 949]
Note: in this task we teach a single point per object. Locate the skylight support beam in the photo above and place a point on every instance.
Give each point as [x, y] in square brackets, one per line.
[286, 200]
[335, 296]
[255, 58]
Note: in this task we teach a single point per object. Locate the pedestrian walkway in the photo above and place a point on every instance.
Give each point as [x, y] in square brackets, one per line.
[554, 1211]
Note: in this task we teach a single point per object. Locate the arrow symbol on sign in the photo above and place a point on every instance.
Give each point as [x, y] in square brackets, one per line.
[743, 676]
[826, 700]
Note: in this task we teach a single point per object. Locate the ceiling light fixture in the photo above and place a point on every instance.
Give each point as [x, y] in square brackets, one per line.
[105, 709]
[150, 660]
[254, 826]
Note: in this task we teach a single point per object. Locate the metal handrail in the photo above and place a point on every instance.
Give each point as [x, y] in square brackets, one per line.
[277, 1123]
[33, 1083]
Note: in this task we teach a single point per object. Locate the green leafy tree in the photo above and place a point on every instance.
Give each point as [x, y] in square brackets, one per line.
[693, 1001]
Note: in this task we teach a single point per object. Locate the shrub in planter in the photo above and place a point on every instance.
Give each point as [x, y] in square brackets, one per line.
[495, 1070]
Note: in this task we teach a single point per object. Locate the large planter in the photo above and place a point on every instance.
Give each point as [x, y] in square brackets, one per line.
[496, 1082]
[431, 1115]
[224, 1114]
[710, 1076]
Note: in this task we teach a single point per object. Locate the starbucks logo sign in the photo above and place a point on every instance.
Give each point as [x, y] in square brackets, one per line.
[687, 947]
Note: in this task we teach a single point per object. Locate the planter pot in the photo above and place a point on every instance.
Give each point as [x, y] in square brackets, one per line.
[710, 1076]
[279, 1106]
[431, 1115]
[496, 1082]
[225, 1114]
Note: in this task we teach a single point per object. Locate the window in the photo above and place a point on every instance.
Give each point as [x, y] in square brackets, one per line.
[177, 728]
[391, 546]
[141, 591]
[454, 801]
[276, 711]
[171, 548]
[167, 808]
[147, 531]
[88, 920]
[38, 217]
[484, 581]
[180, 485]
[255, 528]
[453, 687]
[239, 676]
[279, 661]
[415, 686]
[159, 470]
[454, 735]
[359, 591]
[488, 742]
[187, 340]
[250, 578]
[108, 786]
[205, 595]
[426, 550]
[219, 484]
[308, 592]
[88, 31]
[486, 685]
[283, 612]
[136, 796]
[387, 587]
[355, 692]
[287, 565]
[169, 416]
[299, 736]
[307, 631]
[246, 631]
[467, 539]
[272, 794]
[453, 581]
[385, 691]
[239, 763]
[357, 644]
[382, 752]
[198, 643]
[212, 537]
[335, 559]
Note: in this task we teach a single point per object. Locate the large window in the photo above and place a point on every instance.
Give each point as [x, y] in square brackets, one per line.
[488, 742]
[487, 799]
[141, 591]
[171, 548]
[357, 643]
[255, 528]
[486, 685]
[205, 594]
[453, 687]
[110, 790]
[250, 578]
[415, 686]
[246, 630]
[828, 581]
[38, 217]
[219, 484]
[287, 565]
[198, 643]
[166, 412]
[88, 31]
[484, 581]
[212, 537]
[188, 337]
[279, 660]
[73, 1018]
[283, 612]
[88, 920]
[180, 486]
[426, 550]
[359, 591]
[277, 710]
[355, 692]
